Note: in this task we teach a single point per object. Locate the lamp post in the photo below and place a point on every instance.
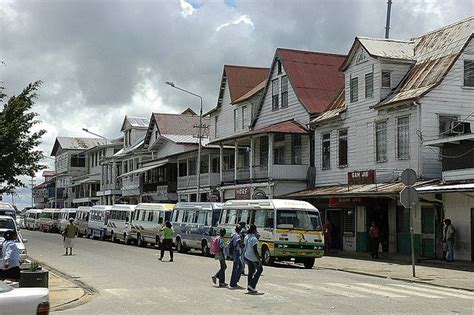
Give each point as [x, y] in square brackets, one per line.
[97, 135]
[198, 183]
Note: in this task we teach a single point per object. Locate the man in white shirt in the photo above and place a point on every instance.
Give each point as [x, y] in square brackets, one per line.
[11, 257]
[252, 258]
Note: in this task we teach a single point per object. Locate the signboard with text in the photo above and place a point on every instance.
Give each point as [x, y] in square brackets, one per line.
[242, 193]
[341, 202]
[361, 177]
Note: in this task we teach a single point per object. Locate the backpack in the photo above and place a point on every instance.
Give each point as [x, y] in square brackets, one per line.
[215, 246]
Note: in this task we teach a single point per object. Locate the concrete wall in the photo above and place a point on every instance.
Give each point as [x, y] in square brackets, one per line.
[457, 207]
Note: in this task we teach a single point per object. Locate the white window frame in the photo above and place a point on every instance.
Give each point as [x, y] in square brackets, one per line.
[354, 89]
[284, 91]
[389, 79]
[323, 141]
[275, 94]
[369, 87]
[403, 135]
[244, 114]
[380, 155]
[339, 138]
[471, 82]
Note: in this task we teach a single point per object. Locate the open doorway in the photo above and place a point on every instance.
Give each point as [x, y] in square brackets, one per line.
[335, 216]
[377, 211]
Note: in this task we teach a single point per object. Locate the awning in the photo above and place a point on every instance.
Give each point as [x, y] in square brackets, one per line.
[366, 190]
[446, 188]
[146, 168]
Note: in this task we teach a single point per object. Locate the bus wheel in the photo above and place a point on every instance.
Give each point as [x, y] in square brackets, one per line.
[268, 260]
[308, 263]
[126, 239]
[205, 249]
[113, 237]
[157, 242]
[179, 246]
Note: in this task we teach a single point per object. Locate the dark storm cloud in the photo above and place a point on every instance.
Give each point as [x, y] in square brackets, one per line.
[100, 60]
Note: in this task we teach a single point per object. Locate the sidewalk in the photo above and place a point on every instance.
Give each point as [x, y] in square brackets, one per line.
[458, 275]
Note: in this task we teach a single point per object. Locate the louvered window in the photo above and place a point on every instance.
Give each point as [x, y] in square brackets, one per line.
[354, 90]
[284, 91]
[369, 85]
[381, 141]
[275, 94]
[403, 138]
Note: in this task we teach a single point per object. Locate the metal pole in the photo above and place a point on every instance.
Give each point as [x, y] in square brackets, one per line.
[387, 24]
[198, 184]
[412, 243]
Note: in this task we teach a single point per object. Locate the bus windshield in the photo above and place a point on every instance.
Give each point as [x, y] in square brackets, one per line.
[7, 224]
[298, 220]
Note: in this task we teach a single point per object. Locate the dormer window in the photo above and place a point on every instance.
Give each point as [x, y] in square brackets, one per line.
[284, 91]
[279, 66]
[386, 79]
[275, 94]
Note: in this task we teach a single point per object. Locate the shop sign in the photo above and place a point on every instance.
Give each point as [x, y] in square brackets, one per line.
[361, 177]
[242, 193]
[341, 202]
[259, 194]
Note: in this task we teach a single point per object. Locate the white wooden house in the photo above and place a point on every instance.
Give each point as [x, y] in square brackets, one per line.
[397, 94]
[272, 155]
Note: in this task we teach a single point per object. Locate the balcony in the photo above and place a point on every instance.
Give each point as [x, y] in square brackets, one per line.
[290, 172]
[207, 180]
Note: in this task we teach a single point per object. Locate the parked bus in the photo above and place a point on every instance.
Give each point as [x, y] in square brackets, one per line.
[82, 221]
[119, 223]
[194, 224]
[32, 219]
[49, 220]
[7, 209]
[97, 225]
[66, 214]
[148, 221]
[289, 229]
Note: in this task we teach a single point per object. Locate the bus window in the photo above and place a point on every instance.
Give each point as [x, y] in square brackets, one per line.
[260, 217]
[143, 216]
[269, 220]
[72, 215]
[190, 217]
[232, 217]
[167, 216]
[150, 216]
[181, 215]
[215, 216]
[160, 218]
[202, 217]
[224, 215]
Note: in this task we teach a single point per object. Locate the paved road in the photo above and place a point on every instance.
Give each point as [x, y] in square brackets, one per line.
[131, 280]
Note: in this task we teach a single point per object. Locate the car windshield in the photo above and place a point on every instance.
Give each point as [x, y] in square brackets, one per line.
[4, 287]
[7, 224]
[299, 220]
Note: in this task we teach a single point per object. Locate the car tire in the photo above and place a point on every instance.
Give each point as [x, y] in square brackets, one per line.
[268, 260]
[126, 239]
[308, 263]
[179, 246]
[140, 242]
[205, 249]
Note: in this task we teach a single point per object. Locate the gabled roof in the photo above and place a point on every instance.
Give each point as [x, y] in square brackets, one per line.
[135, 122]
[75, 143]
[252, 92]
[334, 110]
[289, 126]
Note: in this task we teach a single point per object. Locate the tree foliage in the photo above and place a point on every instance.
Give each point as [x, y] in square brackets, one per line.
[18, 142]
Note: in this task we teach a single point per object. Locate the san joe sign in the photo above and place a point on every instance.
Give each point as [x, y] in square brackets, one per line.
[361, 177]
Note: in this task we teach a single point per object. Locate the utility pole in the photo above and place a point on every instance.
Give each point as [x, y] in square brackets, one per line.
[387, 24]
[33, 182]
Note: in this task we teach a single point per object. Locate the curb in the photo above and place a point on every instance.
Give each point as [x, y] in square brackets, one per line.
[89, 291]
[396, 278]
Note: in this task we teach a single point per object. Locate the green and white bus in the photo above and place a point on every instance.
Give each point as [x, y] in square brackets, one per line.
[290, 230]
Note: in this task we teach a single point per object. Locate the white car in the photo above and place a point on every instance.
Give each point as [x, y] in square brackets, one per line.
[8, 223]
[16, 301]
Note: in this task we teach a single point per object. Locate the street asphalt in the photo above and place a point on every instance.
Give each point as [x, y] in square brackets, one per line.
[131, 280]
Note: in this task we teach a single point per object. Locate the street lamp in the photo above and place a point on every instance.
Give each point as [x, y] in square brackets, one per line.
[87, 130]
[198, 184]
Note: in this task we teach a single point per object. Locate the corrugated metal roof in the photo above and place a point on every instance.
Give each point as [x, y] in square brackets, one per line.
[135, 122]
[314, 76]
[435, 53]
[252, 92]
[75, 143]
[388, 48]
[457, 187]
[355, 190]
[179, 124]
[136, 145]
[243, 79]
[335, 109]
[186, 139]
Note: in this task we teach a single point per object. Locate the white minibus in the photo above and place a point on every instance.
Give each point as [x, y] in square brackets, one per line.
[32, 217]
[82, 220]
[194, 224]
[49, 220]
[97, 225]
[66, 214]
[119, 223]
[290, 230]
[148, 221]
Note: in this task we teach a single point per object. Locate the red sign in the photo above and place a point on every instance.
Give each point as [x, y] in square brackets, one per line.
[361, 177]
[242, 193]
[341, 202]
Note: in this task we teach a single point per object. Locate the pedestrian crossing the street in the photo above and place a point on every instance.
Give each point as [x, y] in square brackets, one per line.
[368, 290]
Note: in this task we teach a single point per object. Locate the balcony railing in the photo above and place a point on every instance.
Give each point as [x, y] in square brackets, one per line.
[207, 179]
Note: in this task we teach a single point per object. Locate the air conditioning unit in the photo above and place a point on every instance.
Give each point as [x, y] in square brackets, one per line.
[456, 128]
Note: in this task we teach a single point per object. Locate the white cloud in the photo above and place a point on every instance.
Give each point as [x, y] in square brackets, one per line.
[245, 19]
[186, 8]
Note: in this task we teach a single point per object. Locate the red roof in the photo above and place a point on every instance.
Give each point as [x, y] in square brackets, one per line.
[314, 76]
[243, 79]
[178, 124]
[289, 126]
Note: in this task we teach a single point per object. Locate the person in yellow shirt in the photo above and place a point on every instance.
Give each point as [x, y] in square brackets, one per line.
[167, 243]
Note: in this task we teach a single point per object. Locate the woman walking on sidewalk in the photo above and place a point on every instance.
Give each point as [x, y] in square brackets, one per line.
[235, 249]
[167, 243]
[374, 237]
[252, 258]
[217, 249]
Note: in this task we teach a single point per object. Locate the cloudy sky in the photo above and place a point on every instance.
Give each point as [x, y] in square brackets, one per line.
[104, 59]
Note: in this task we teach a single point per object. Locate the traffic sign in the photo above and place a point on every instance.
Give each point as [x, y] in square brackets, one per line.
[408, 177]
[409, 197]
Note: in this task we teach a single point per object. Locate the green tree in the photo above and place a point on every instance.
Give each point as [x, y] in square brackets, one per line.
[18, 142]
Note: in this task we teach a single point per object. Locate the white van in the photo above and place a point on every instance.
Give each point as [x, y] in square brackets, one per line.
[32, 217]
[82, 220]
[66, 214]
[97, 225]
[148, 221]
[119, 223]
[49, 220]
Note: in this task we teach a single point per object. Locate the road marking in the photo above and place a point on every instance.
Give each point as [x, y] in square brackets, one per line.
[343, 293]
[379, 287]
[365, 290]
[462, 296]
[468, 293]
[285, 288]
